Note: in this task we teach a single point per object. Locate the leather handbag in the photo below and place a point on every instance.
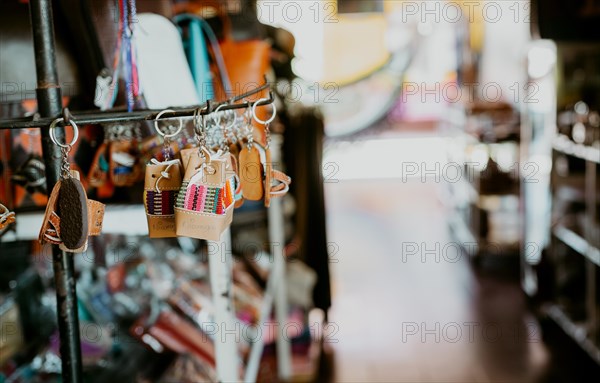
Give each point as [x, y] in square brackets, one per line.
[246, 61]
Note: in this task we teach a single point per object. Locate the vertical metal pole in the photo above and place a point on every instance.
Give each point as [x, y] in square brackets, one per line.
[220, 267]
[277, 237]
[49, 105]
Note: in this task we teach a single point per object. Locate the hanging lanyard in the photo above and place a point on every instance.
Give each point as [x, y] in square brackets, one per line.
[125, 56]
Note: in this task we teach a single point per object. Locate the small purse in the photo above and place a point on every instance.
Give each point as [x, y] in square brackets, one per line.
[161, 185]
[205, 202]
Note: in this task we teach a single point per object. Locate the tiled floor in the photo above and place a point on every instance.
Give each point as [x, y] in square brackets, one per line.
[408, 308]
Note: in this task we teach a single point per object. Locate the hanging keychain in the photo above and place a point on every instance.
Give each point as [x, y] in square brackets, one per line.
[270, 174]
[162, 182]
[70, 217]
[195, 142]
[205, 201]
[251, 170]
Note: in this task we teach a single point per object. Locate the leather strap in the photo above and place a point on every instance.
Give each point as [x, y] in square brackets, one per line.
[50, 208]
[95, 217]
[282, 188]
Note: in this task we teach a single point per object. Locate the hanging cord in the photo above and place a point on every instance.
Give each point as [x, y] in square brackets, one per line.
[125, 55]
[114, 86]
[132, 73]
[164, 174]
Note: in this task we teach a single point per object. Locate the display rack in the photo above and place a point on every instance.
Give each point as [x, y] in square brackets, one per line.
[584, 331]
[49, 98]
[471, 201]
[560, 260]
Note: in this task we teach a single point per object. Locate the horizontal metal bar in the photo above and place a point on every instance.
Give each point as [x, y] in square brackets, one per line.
[94, 117]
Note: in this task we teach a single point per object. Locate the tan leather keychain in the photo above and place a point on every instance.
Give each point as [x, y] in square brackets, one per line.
[251, 174]
[270, 174]
[70, 217]
[161, 185]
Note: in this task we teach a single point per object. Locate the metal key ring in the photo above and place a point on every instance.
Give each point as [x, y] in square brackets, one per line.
[53, 137]
[160, 131]
[258, 119]
[219, 120]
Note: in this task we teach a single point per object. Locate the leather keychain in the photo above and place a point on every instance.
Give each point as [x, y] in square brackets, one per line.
[161, 185]
[70, 217]
[125, 169]
[205, 201]
[270, 174]
[250, 168]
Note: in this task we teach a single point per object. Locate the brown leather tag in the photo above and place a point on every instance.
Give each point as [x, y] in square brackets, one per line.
[251, 174]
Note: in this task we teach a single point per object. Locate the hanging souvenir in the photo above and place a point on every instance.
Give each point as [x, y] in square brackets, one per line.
[276, 183]
[250, 167]
[70, 217]
[205, 201]
[161, 185]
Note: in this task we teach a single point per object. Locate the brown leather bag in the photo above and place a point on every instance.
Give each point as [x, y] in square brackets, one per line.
[247, 61]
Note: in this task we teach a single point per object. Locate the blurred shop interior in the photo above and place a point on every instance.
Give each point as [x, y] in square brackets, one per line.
[299, 191]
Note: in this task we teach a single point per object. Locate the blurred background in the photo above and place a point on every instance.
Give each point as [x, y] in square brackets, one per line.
[443, 223]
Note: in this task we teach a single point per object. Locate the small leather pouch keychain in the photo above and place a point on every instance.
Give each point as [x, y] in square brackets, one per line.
[205, 201]
[161, 185]
[276, 183]
[125, 169]
[70, 217]
[98, 175]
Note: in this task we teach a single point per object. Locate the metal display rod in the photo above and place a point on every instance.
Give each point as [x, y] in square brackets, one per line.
[49, 101]
[95, 117]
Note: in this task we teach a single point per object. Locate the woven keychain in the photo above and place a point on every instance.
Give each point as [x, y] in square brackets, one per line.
[276, 183]
[205, 201]
[70, 217]
[161, 185]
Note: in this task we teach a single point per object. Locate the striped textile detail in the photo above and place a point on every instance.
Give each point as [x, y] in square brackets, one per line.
[228, 199]
[204, 199]
[182, 195]
[219, 201]
[161, 203]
